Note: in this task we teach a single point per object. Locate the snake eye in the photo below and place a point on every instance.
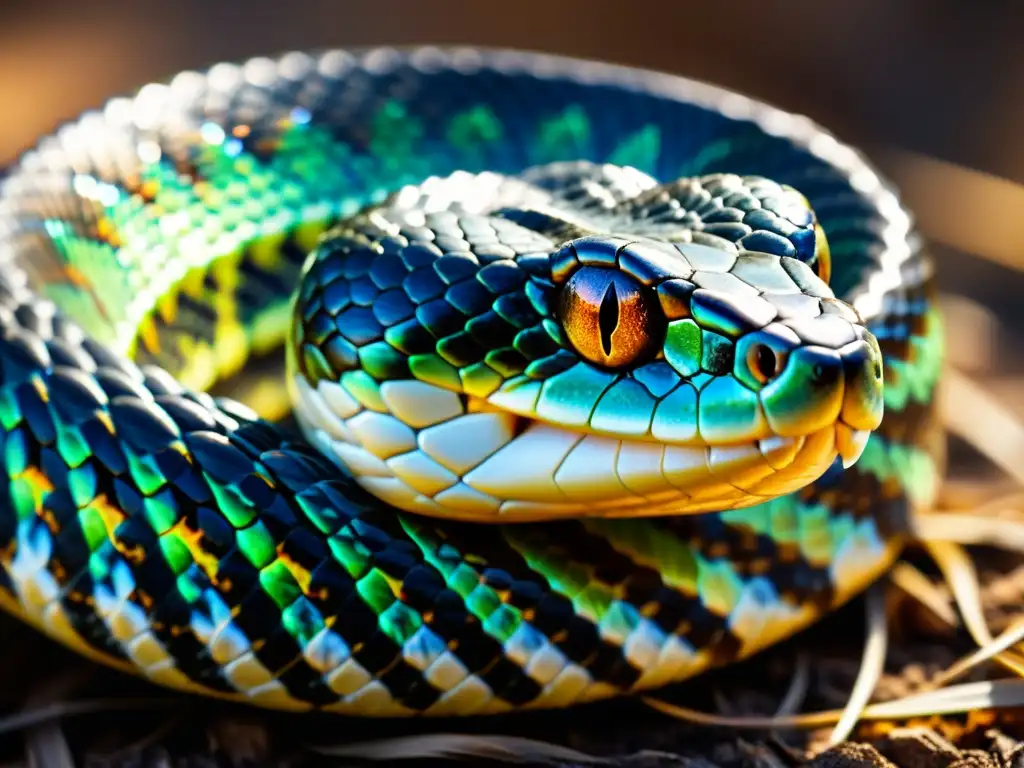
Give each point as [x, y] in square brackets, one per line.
[763, 362]
[608, 316]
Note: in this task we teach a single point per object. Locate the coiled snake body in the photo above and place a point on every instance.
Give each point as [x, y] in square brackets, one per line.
[573, 397]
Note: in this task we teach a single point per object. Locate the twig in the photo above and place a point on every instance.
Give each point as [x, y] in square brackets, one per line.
[871, 666]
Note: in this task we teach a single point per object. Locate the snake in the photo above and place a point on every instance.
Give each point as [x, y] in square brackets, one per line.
[452, 381]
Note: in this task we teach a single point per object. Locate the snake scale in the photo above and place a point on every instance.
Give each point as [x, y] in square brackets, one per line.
[563, 380]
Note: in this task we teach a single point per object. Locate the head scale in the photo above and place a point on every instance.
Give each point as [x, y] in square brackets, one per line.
[644, 369]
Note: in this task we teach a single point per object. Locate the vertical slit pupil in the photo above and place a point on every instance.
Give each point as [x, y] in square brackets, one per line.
[608, 317]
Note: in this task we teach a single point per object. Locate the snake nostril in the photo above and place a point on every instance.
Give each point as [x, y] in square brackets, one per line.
[878, 370]
[763, 362]
[822, 374]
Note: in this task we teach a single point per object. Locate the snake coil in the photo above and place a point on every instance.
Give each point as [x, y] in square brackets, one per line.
[587, 366]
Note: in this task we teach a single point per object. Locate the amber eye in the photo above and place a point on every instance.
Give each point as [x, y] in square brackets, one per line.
[608, 317]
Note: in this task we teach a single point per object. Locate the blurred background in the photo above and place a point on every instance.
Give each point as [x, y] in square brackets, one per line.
[931, 89]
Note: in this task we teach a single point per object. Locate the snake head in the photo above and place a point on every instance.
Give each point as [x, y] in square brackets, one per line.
[506, 364]
[763, 350]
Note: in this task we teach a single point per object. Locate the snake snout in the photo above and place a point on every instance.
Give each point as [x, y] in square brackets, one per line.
[834, 377]
[862, 407]
[862, 370]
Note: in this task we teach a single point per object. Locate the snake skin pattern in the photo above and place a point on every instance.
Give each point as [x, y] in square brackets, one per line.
[471, 519]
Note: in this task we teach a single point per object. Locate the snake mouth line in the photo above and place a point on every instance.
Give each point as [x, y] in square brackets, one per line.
[682, 477]
[489, 465]
[601, 476]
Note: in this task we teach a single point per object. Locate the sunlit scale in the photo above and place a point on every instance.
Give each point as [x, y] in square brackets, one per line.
[535, 299]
